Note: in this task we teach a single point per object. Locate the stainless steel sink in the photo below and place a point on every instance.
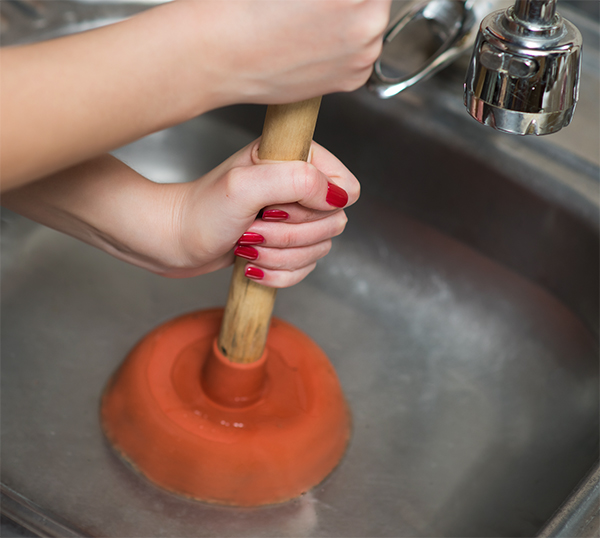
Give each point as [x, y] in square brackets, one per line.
[460, 309]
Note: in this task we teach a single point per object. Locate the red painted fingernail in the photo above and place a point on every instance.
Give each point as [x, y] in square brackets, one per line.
[254, 273]
[251, 238]
[246, 252]
[336, 196]
[275, 214]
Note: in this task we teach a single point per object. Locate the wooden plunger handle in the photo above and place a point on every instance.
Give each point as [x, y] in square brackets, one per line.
[287, 134]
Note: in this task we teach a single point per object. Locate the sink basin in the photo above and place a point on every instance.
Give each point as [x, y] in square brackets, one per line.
[459, 308]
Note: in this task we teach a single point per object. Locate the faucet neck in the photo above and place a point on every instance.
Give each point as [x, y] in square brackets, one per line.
[536, 12]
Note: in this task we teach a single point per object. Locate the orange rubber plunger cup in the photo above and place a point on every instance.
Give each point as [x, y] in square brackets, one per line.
[229, 406]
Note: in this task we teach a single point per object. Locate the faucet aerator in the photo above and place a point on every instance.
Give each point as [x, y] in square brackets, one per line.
[523, 77]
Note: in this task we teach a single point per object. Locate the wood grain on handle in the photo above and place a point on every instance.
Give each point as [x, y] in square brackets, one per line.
[287, 135]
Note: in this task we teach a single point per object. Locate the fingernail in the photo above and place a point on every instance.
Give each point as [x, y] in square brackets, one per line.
[275, 214]
[251, 238]
[254, 273]
[336, 196]
[246, 252]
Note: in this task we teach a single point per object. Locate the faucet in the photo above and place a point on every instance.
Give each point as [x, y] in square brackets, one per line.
[523, 77]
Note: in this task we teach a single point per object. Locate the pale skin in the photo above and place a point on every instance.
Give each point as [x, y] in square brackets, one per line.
[67, 102]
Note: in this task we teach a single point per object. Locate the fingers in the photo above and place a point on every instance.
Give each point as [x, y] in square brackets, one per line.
[284, 234]
[280, 268]
[288, 259]
[283, 254]
[278, 279]
[293, 213]
[287, 253]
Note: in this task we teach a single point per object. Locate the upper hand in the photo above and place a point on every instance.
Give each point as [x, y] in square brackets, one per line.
[281, 51]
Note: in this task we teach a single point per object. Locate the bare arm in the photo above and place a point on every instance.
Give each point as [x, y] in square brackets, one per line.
[108, 205]
[187, 229]
[70, 99]
[67, 100]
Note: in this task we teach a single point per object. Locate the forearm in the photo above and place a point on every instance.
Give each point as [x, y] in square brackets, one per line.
[188, 229]
[108, 205]
[70, 99]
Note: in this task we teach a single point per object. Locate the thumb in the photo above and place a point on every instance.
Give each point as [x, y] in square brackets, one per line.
[262, 185]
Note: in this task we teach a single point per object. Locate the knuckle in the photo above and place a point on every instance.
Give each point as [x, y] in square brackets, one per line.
[305, 215]
[287, 239]
[233, 181]
[357, 79]
[340, 224]
[325, 248]
[371, 54]
[276, 262]
[305, 178]
[354, 190]
[371, 21]
[377, 18]
[284, 279]
[307, 270]
[363, 62]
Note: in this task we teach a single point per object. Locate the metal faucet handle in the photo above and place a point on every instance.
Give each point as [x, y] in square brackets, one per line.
[523, 77]
[424, 37]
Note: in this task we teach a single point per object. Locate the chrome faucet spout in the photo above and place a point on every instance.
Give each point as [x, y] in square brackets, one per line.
[523, 77]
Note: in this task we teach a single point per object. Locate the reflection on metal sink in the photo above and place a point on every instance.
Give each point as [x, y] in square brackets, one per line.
[460, 309]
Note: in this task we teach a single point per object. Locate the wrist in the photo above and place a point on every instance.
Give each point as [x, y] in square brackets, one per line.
[190, 79]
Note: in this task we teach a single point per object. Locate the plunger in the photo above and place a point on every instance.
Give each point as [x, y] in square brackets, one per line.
[215, 405]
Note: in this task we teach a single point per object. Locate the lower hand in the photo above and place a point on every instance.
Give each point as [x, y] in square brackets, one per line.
[187, 229]
[299, 208]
